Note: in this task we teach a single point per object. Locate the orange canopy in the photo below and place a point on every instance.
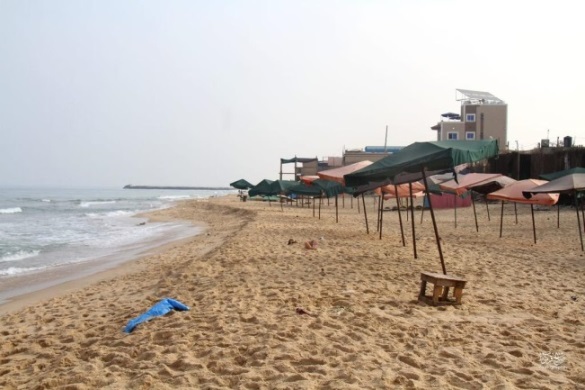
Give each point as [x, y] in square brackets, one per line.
[467, 181]
[403, 190]
[513, 193]
[336, 174]
[308, 179]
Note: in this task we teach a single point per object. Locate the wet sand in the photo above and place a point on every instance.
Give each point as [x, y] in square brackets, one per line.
[269, 315]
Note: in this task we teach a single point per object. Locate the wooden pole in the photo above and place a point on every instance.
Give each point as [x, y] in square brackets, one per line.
[502, 219]
[320, 199]
[455, 208]
[381, 214]
[516, 212]
[365, 214]
[437, 238]
[474, 213]
[412, 221]
[314, 199]
[533, 224]
[336, 210]
[578, 221]
[422, 211]
[487, 208]
[399, 215]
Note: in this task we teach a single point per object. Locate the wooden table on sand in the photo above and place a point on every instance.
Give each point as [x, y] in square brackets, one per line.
[441, 283]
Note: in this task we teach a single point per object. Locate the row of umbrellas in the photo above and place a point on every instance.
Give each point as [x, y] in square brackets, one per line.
[418, 161]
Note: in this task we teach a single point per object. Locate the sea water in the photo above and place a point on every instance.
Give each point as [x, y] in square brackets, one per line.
[45, 233]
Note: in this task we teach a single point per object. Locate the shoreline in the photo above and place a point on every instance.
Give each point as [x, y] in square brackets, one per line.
[32, 288]
[359, 326]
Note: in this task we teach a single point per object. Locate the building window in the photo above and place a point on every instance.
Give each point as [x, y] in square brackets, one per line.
[452, 135]
[470, 117]
[470, 135]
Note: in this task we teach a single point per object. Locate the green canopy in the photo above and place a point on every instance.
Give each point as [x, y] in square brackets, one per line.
[556, 175]
[281, 186]
[433, 156]
[305, 189]
[241, 184]
[262, 188]
[317, 188]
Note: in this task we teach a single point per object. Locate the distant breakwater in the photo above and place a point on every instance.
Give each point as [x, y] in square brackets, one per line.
[132, 187]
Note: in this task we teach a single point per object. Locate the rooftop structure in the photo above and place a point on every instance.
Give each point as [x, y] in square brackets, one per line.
[482, 116]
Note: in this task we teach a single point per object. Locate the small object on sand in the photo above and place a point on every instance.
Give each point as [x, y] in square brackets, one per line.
[291, 241]
[311, 244]
[300, 310]
[141, 224]
[574, 297]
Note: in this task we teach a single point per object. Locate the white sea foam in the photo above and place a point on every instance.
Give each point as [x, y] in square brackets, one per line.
[117, 213]
[17, 271]
[93, 203]
[174, 197]
[11, 210]
[46, 200]
[20, 255]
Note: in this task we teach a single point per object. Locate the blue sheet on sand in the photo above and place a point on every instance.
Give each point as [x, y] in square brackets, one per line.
[160, 309]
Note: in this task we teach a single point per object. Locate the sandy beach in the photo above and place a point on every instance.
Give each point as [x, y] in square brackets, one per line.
[268, 315]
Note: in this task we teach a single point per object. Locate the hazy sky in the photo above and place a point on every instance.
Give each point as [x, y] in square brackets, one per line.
[108, 93]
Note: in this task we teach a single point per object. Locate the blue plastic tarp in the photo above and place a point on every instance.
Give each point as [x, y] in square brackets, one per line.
[160, 309]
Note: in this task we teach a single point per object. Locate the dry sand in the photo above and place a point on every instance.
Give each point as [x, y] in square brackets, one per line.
[268, 315]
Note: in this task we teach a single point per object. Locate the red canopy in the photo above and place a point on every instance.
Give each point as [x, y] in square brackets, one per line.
[336, 174]
[513, 193]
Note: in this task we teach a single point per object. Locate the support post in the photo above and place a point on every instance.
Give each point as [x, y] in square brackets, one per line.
[412, 221]
[533, 224]
[437, 238]
[365, 214]
[474, 213]
[578, 221]
[502, 219]
[399, 215]
[381, 214]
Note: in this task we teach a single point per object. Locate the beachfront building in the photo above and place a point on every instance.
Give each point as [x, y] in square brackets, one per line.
[482, 116]
[370, 153]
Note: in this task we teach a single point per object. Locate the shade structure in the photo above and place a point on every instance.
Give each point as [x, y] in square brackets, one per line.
[262, 188]
[281, 186]
[317, 188]
[556, 175]
[308, 179]
[570, 183]
[417, 159]
[337, 174]
[492, 185]
[241, 184]
[438, 155]
[465, 182]
[514, 193]
[402, 190]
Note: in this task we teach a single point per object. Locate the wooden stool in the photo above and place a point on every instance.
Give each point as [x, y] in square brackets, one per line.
[441, 289]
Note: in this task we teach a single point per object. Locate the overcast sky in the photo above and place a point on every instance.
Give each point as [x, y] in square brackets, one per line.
[107, 93]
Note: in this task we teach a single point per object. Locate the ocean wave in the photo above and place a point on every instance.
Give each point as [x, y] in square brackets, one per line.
[117, 213]
[17, 271]
[11, 210]
[20, 255]
[174, 197]
[93, 203]
[46, 200]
